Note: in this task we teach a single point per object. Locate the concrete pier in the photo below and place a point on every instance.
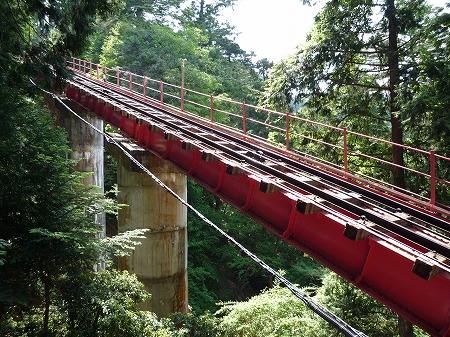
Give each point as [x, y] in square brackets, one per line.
[161, 261]
[87, 149]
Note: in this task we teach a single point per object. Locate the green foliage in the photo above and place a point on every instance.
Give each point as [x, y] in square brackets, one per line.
[356, 308]
[45, 211]
[3, 248]
[192, 325]
[48, 232]
[276, 312]
[123, 243]
[107, 305]
[214, 63]
[35, 36]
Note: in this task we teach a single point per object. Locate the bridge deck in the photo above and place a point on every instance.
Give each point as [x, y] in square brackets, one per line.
[395, 252]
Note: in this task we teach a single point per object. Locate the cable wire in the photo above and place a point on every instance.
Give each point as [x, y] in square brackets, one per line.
[327, 315]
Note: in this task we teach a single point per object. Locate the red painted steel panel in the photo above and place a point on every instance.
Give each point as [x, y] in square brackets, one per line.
[325, 236]
[90, 102]
[99, 106]
[107, 113]
[210, 173]
[157, 143]
[388, 278]
[115, 118]
[235, 188]
[129, 126]
[182, 158]
[274, 208]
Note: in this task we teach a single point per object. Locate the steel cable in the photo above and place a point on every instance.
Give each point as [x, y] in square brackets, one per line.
[324, 313]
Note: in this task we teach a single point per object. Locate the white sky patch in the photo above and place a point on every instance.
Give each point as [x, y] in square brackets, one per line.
[271, 28]
[274, 28]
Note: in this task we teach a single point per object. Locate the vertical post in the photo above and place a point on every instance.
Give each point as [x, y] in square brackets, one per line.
[145, 86]
[73, 63]
[97, 71]
[105, 77]
[161, 91]
[90, 68]
[131, 81]
[118, 77]
[244, 118]
[432, 178]
[344, 133]
[211, 108]
[79, 64]
[84, 66]
[182, 84]
[288, 119]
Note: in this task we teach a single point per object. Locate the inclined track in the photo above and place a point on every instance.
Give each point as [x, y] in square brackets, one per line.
[328, 192]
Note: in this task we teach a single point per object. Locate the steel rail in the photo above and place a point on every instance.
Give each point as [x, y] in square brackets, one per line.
[359, 211]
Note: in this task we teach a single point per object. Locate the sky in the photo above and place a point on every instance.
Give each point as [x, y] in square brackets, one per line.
[274, 28]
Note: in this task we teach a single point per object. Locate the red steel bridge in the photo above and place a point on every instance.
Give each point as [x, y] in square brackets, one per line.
[391, 243]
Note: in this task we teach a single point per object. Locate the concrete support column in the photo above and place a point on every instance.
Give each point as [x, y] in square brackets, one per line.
[161, 261]
[87, 150]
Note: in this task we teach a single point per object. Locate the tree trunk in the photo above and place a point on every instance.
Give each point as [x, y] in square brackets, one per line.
[394, 81]
[46, 281]
[201, 12]
[405, 328]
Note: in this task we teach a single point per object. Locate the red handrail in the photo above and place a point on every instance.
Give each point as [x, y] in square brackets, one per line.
[234, 111]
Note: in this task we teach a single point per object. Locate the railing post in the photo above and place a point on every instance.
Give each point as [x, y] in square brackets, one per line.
[211, 108]
[182, 99]
[131, 81]
[244, 118]
[145, 86]
[288, 121]
[182, 84]
[118, 77]
[98, 75]
[79, 65]
[84, 66]
[90, 68]
[73, 63]
[344, 133]
[161, 91]
[105, 76]
[432, 178]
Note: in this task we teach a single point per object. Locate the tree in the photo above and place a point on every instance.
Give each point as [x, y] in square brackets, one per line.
[46, 214]
[351, 69]
[356, 308]
[424, 97]
[276, 312]
[36, 35]
[147, 47]
[263, 66]
[203, 15]
[160, 11]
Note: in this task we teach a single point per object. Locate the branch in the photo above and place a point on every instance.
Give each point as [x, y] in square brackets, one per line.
[368, 52]
[367, 86]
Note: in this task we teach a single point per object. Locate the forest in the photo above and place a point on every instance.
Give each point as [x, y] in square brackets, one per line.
[378, 67]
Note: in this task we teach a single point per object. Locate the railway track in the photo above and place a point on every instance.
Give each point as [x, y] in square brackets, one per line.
[363, 210]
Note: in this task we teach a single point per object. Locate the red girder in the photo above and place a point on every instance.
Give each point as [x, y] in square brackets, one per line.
[377, 266]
